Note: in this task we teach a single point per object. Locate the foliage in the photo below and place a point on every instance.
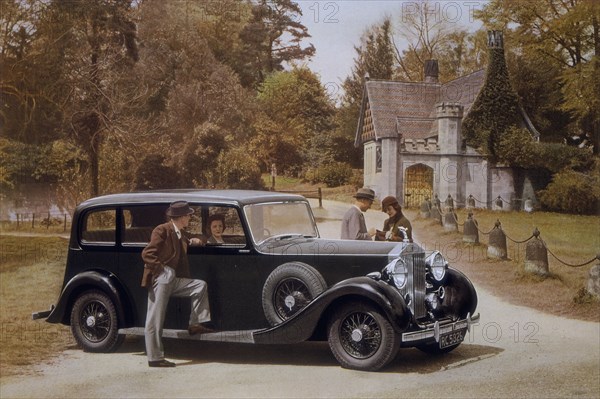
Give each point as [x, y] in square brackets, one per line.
[153, 174]
[17, 162]
[573, 192]
[556, 43]
[495, 110]
[431, 37]
[333, 174]
[296, 122]
[272, 37]
[199, 161]
[236, 169]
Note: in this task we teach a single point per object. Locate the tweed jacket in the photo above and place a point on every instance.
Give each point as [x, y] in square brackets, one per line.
[354, 226]
[165, 249]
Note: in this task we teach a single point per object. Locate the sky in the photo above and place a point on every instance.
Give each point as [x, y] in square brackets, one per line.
[336, 26]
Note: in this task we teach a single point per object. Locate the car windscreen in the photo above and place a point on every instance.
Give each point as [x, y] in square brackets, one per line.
[280, 218]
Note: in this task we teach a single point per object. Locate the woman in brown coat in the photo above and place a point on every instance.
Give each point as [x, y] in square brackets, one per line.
[391, 231]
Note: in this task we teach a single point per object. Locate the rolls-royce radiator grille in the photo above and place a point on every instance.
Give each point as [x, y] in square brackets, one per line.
[415, 287]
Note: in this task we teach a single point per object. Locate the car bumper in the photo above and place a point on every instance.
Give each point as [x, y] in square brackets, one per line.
[445, 333]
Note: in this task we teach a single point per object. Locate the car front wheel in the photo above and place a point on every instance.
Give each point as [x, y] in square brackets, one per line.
[94, 323]
[362, 338]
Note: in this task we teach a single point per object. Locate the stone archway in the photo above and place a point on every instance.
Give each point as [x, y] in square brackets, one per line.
[418, 185]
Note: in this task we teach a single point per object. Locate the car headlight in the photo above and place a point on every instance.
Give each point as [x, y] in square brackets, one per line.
[398, 272]
[437, 266]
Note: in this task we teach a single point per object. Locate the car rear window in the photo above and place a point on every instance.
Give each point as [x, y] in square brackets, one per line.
[99, 226]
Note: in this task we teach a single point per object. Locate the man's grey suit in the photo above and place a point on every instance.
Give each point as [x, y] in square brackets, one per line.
[166, 249]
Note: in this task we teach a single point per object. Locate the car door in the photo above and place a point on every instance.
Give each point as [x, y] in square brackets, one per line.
[232, 269]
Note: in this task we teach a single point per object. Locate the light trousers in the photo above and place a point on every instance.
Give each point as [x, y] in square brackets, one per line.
[158, 299]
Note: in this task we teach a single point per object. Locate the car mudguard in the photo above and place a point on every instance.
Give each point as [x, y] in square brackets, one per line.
[301, 326]
[93, 280]
[467, 296]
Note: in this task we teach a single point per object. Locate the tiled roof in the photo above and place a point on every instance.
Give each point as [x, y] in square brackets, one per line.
[408, 108]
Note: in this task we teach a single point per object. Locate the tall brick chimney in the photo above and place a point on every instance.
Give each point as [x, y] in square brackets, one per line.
[431, 71]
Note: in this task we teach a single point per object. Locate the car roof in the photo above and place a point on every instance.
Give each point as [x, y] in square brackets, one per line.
[239, 197]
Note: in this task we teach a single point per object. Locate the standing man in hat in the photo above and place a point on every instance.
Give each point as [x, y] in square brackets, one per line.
[353, 223]
[166, 274]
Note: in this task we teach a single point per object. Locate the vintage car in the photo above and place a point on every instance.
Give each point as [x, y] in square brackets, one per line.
[273, 281]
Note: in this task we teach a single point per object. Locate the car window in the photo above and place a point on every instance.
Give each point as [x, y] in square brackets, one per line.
[140, 220]
[99, 226]
[223, 227]
[273, 219]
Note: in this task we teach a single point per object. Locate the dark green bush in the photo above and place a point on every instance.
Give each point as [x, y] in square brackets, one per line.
[573, 192]
[236, 169]
[153, 174]
[333, 174]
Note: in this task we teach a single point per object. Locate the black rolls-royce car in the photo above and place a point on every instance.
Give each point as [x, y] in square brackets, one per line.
[272, 281]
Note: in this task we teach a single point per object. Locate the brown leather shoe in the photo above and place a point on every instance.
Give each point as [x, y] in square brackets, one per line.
[200, 329]
[161, 363]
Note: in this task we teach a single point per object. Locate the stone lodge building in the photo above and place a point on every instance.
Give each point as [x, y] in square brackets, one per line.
[413, 149]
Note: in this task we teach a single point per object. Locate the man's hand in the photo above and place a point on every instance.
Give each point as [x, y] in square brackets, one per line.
[195, 241]
[372, 231]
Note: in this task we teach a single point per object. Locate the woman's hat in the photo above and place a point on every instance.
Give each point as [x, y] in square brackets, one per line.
[365, 193]
[178, 209]
[389, 200]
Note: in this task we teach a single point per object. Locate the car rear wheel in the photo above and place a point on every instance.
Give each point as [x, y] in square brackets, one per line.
[362, 338]
[94, 323]
[289, 288]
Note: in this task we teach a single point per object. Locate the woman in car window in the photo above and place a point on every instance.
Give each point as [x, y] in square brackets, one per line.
[216, 226]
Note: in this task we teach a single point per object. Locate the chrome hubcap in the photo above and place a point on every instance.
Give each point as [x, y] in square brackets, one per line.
[290, 301]
[357, 335]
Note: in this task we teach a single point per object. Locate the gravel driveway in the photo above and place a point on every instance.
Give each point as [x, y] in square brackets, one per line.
[513, 352]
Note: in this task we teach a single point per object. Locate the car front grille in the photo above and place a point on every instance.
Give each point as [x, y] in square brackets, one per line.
[415, 287]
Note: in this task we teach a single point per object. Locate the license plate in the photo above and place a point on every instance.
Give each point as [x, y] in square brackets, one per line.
[452, 338]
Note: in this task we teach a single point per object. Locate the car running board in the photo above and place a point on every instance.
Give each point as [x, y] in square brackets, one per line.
[241, 336]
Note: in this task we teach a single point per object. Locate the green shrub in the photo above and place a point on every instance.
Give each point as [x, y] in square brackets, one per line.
[237, 169]
[357, 180]
[153, 174]
[333, 174]
[573, 192]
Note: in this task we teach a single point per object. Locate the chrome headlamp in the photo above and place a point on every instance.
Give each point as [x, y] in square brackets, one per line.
[437, 265]
[397, 272]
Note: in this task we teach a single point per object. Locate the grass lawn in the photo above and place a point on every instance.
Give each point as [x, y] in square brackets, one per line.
[31, 274]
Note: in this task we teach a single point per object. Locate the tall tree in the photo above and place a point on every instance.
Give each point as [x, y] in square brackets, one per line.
[298, 118]
[272, 37]
[98, 46]
[375, 59]
[428, 35]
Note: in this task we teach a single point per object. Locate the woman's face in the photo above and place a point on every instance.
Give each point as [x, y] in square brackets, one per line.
[391, 211]
[216, 228]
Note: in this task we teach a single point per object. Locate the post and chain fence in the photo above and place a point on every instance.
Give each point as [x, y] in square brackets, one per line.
[449, 219]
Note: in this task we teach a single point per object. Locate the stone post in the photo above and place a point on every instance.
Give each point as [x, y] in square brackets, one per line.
[470, 202]
[450, 223]
[449, 203]
[470, 231]
[593, 283]
[497, 245]
[426, 208]
[435, 214]
[536, 256]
